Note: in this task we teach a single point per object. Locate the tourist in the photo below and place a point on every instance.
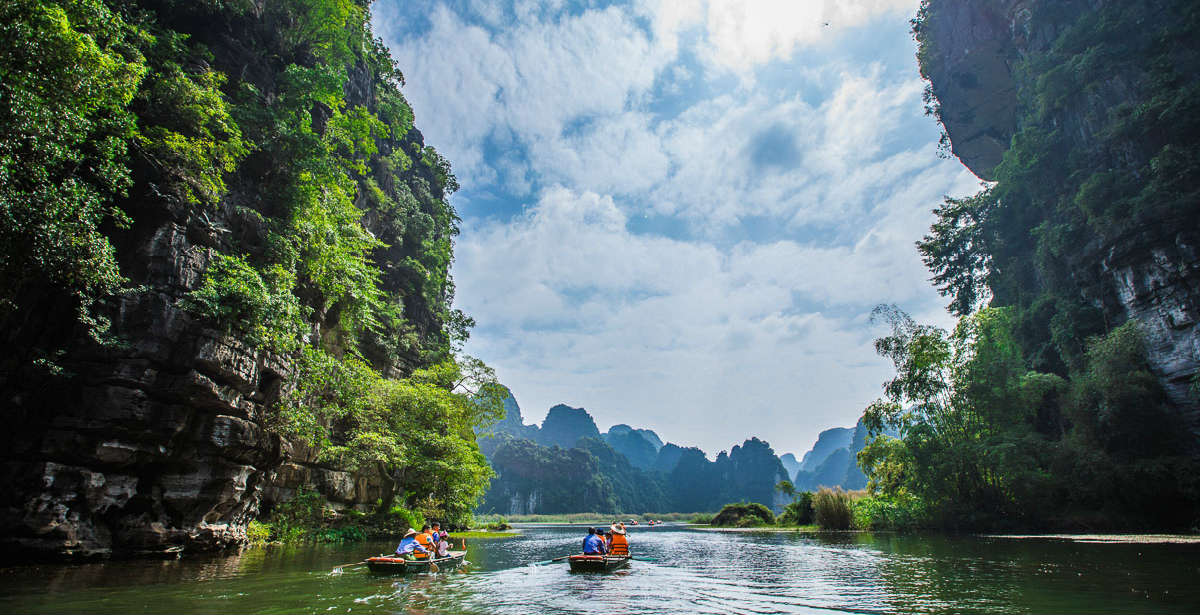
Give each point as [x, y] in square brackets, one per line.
[620, 542]
[441, 541]
[593, 544]
[425, 538]
[608, 537]
[409, 548]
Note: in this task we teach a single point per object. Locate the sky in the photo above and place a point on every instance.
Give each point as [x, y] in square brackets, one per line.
[679, 215]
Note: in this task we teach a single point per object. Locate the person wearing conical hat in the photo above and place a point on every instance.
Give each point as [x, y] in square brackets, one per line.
[409, 548]
[620, 542]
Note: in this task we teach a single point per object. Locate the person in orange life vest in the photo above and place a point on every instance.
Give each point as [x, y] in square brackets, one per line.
[620, 542]
[425, 538]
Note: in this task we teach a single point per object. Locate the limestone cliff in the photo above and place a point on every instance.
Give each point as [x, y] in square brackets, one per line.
[992, 72]
[162, 440]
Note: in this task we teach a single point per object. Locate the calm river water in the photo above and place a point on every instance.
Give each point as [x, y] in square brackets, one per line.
[693, 571]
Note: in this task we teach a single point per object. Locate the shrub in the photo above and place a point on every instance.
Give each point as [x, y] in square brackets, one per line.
[800, 511]
[899, 512]
[701, 518]
[736, 515]
[258, 533]
[831, 509]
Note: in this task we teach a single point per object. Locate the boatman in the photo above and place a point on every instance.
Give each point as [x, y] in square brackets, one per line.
[620, 542]
[409, 548]
[593, 544]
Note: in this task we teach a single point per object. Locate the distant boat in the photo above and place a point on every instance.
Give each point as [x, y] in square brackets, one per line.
[399, 565]
[598, 563]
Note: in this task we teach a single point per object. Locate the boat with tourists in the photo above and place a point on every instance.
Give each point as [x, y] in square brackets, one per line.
[397, 565]
[597, 563]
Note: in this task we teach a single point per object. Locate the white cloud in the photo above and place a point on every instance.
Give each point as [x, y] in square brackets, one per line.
[661, 332]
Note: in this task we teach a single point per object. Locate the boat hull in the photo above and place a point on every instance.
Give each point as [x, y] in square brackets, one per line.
[597, 563]
[396, 565]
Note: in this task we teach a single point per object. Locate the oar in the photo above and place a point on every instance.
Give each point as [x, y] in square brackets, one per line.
[550, 561]
[349, 565]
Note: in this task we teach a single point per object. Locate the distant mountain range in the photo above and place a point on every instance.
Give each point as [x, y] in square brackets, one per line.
[567, 465]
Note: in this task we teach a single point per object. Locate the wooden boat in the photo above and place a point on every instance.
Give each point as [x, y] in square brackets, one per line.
[398, 565]
[597, 563]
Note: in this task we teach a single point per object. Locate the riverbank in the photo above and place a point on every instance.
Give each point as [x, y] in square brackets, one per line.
[1133, 539]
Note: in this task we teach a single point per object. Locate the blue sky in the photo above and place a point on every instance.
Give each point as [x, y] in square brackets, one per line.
[679, 215]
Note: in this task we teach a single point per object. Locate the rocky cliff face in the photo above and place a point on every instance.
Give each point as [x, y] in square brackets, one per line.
[1150, 273]
[162, 442]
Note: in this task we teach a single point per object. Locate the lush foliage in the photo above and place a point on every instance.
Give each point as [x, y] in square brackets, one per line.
[69, 73]
[416, 433]
[901, 512]
[985, 441]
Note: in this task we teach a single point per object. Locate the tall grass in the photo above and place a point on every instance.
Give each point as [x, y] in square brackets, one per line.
[832, 509]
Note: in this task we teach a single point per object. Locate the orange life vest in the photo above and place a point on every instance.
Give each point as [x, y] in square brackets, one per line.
[619, 546]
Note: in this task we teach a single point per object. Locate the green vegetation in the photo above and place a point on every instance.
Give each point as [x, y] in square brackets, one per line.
[743, 514]
[416, 433]
[799, 511]
[1038, 411]
[306, 518]
[832, 509]
[317, 214]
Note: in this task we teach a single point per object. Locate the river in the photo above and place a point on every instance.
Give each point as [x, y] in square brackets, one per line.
[687, 571]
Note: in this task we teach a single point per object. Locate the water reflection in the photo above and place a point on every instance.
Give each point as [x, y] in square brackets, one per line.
[681, 570]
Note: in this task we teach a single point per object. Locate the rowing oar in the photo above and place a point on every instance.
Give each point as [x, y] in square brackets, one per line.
[550, 561]
[349, 565]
